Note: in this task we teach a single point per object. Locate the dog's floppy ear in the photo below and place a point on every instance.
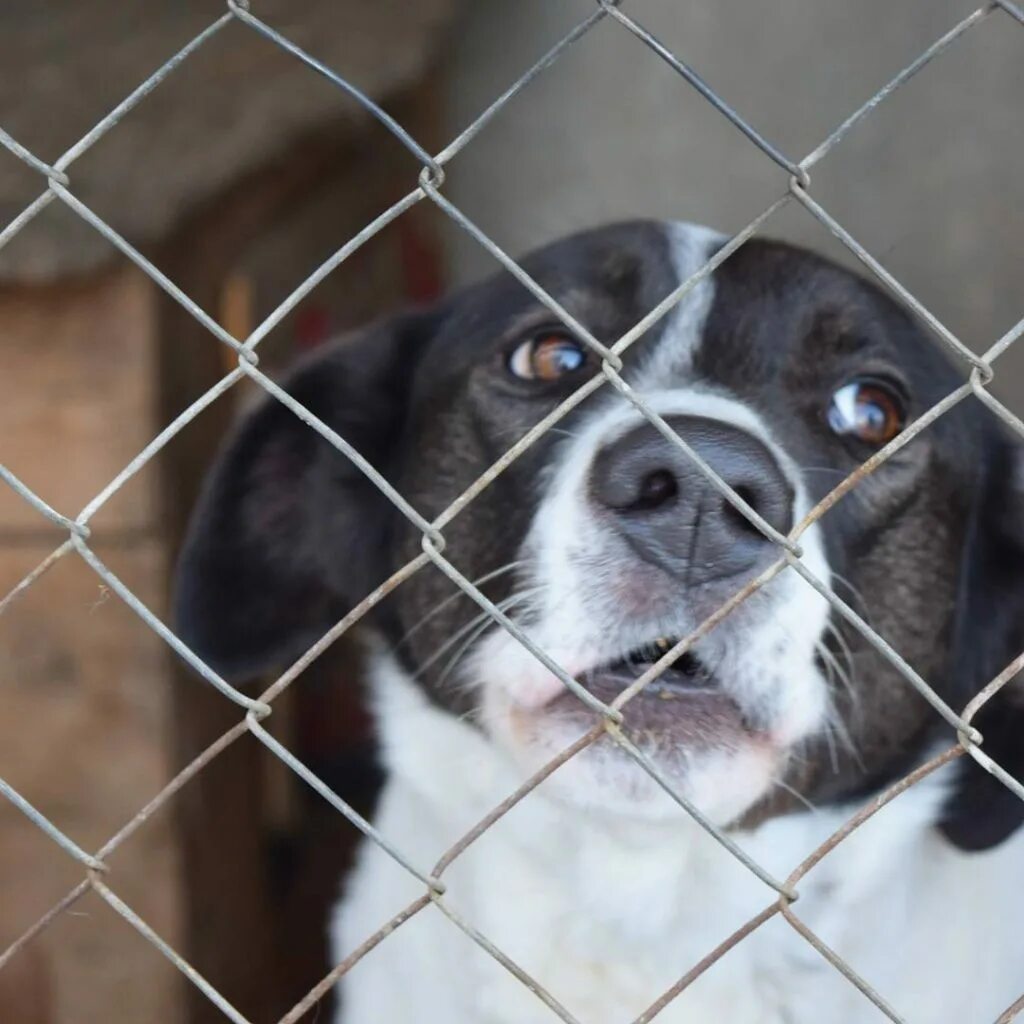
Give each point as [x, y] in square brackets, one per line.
[989, 635]
[288, 533]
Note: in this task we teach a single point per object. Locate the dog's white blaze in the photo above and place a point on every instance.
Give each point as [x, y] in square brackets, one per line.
[690, 248]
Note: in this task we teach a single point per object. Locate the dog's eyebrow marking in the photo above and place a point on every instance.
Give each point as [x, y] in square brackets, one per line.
[838, 330]
[690, 246]
[537, 317]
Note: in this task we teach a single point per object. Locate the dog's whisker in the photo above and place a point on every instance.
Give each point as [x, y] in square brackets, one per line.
[849, 673]
[834, 724]
[465, 647]
[795, 793]
[483, 619]
[485, 578]
[454, 661]
[455, 637]
[836, 672]
[838, 728]
[834, 669]
[836, 675]
[863, 610]
[830, 742]
[836, 632]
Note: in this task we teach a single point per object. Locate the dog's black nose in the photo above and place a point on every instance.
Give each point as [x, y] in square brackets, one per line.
[670, 512]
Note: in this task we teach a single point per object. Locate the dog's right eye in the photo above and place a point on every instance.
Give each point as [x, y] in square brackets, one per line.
[547, 356]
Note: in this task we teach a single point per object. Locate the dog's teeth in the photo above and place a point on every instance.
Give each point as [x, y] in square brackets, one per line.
[663, 644]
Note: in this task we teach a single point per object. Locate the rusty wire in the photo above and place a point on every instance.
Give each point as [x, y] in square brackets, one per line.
[796, 188]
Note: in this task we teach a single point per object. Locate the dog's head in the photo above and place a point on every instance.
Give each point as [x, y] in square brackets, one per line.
[605, 543]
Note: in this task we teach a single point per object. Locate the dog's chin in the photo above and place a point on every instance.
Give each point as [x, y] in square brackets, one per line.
[695, 735]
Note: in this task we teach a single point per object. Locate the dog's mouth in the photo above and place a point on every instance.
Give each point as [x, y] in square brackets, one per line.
[686, 676]
[685, 707]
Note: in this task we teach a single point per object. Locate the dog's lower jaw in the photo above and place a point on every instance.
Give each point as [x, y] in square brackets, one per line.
[724, 776]
[606, 913]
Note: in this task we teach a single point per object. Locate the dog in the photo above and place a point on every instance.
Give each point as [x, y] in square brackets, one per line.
[605, 544]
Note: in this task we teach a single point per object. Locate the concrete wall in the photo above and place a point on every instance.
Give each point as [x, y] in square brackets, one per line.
[931, 182]
[235, 103]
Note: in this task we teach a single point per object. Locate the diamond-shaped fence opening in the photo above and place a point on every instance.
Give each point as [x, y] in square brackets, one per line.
[796, 187]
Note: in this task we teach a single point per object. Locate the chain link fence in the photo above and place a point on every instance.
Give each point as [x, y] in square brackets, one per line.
[978, 374]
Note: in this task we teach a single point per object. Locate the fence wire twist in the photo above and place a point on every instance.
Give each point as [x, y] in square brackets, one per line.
[965, 740]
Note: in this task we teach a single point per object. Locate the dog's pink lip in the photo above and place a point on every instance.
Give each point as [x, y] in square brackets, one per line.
[537, 690]
[684, 715]
[672, 686]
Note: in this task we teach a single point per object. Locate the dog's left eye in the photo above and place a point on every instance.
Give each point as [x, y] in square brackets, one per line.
[547, 356]
[871, 411]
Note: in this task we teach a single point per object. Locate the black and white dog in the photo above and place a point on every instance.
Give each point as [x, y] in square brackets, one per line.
[604, 544]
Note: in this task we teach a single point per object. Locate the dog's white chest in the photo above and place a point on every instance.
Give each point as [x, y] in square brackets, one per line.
[607, 913]
[608, 935]
[605, 936]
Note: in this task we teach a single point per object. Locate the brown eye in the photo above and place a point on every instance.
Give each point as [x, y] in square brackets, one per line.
[547, 356]
[869, 410]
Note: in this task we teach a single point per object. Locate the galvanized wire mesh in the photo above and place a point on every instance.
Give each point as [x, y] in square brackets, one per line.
[978, 372]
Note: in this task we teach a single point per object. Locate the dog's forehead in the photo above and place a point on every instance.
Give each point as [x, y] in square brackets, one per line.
[627, 255]
[623, 268]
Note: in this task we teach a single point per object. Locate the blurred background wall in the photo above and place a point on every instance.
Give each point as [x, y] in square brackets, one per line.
[930, 183]
[237, 176]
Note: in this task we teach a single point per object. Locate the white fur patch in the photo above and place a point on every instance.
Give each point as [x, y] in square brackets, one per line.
[690, 247]
[606, 914]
